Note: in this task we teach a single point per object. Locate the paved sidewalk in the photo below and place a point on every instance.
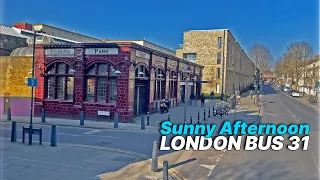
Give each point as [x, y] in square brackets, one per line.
[21, 161]
[87, 123]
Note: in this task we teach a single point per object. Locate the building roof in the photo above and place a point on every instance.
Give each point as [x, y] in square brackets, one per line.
[11, 31]
[22, 51]
[210, 30]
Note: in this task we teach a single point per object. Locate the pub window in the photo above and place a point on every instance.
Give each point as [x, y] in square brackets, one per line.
[100, 78]
[59, 82]
[172, 84]
[159, 84]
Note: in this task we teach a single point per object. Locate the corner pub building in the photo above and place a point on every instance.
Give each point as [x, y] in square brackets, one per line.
[116, 77]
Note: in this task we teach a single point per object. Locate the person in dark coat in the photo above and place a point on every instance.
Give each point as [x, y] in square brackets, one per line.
[221, 96]
[202, 98]
[192, 97]
[212, 95]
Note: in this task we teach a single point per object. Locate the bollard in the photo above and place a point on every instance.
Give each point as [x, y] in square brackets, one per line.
[204, 114]
[209, 113]
[198, 121]
[43, 115]
[213, 114]
[53, 135]
[165, 170]
[190, 120]
[9, 114]
[116, 120]
[154, 166]
[168, 117]
[81, 118]
[142, 123]
[198, 116]
[148, 119]
[14, 132]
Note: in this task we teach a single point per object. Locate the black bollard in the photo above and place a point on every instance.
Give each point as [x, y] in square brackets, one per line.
[14, 132]
[213, 114]
[204, 114]
[53, 135]
[198, 116]
[198, 121]
[9, 114]
[43, 115]
[165, 170]
[116, 120]
[81, 118]
[148, 119]
[142, 123]
[209, 112]
[190, 120]
[168, 117]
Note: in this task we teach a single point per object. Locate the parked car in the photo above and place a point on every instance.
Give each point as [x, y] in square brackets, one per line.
[289, 91]
[295, 93]
[285, 89]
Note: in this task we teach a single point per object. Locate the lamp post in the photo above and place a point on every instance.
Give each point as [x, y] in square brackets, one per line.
[32, 90]
[186, 93]
[174, 84]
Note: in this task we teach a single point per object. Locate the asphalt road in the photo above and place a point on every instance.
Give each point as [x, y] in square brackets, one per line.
[137, 142]
[283, 164]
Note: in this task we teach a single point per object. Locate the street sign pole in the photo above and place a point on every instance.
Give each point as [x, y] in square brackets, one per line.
[31, 106]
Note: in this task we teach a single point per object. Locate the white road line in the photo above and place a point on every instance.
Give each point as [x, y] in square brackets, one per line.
[270, 114]
[91, 132]
[83, 135]
[315, 161]
[13, 157]
[217, 160]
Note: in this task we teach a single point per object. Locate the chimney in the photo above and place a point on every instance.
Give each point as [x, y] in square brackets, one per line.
[23, 25]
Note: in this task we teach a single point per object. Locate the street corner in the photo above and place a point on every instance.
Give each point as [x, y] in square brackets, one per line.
[142, 170]
[70, 161]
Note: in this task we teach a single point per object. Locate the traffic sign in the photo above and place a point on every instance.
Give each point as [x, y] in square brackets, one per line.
[33, 82]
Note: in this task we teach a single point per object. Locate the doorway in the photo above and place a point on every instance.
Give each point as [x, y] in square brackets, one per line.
[140, 99]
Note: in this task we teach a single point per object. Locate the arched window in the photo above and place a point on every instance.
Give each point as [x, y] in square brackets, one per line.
[101, 83]
[141, 72]
[59, 82]
[172, 84]
[159, 89]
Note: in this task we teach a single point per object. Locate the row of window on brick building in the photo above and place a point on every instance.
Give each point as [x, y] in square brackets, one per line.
[101, 83]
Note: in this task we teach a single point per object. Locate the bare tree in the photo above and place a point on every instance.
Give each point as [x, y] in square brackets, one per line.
[261, 56]
[298, 54]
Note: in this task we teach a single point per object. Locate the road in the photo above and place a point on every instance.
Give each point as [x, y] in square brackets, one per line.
[284, 164]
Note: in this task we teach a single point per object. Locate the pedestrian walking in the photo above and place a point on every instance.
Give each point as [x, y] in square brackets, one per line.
[221, 96]
[192, 97]
[202, 98]
[251, 93]
[212, 95]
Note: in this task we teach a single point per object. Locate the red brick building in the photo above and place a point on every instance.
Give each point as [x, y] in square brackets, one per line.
[116, 77]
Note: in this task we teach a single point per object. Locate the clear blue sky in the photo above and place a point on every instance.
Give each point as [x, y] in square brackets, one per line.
[274, 23]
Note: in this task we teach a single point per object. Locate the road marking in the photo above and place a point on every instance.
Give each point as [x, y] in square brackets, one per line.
[315, 161]
[217, 160]
[86, 135]
[270, 114]
[45, 162]
[91, 132]
[210, 167]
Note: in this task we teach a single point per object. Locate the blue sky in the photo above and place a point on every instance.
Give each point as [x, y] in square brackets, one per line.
[274, 23]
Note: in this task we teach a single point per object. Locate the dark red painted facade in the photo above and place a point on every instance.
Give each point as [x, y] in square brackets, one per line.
[129, 58]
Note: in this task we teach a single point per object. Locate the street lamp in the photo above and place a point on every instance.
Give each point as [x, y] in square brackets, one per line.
[185, 96]
[31, 106]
